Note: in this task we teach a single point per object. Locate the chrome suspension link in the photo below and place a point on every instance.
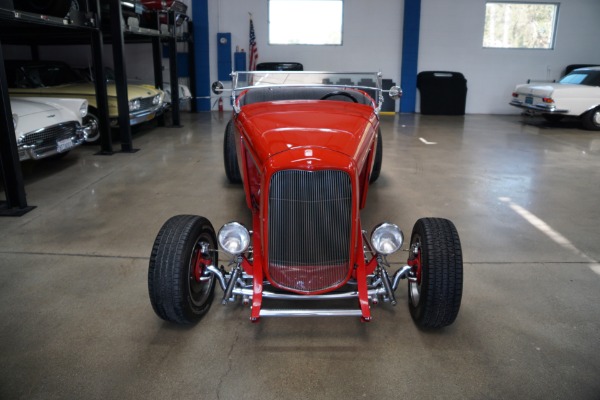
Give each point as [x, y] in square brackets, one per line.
[385, 278]
[232, 281]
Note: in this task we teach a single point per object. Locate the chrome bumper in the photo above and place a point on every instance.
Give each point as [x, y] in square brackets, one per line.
[146, 115]
[541, 108]
[58, 145]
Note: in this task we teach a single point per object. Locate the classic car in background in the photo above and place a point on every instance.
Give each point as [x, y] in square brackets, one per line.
[129, 8]
[575, 95]
[159, 8]
[306, 152]
[57, 79]
[185, 95]
[147, 13]
[48, 127]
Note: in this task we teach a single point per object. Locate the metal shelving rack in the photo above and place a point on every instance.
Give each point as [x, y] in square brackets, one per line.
[80, 27]
[26, 27]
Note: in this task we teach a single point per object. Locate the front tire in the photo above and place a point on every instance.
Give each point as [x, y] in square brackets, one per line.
[180, 289]
[232, 168]
[92, 120]
[378, 159]
[591, 119]
[436, 257]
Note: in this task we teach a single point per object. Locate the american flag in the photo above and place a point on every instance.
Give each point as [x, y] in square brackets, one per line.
[253, 48]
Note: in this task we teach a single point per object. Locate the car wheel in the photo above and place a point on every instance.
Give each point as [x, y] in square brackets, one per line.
[591, 119]
[378, 159]
[435, 290]
[92, 120]
[232, 168]
[180, 290]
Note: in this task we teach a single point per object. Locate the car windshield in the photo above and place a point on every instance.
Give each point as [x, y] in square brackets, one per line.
[50, 75]
[589, 78]
[301, 81]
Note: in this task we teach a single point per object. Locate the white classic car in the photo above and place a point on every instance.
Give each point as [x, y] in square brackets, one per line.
[57, 79]
[576, 95]
[47, 126]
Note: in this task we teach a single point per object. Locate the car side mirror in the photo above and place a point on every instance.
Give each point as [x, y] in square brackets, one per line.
[395, 92]
[217, 87]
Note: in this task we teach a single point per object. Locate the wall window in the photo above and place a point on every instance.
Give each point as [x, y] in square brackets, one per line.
[316, 22]
[512, 25]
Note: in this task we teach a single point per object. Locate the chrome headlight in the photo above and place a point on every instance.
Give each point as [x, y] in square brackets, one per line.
[156, 99]
[83, 110]
[234, 238]
[386, 238]
[134, 105]
[15, 120]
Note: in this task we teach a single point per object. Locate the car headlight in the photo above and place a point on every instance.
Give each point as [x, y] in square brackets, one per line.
[234, 238]
[134, 105]
[386, 238]
[15, 120]
[156, 99]
[83, 110]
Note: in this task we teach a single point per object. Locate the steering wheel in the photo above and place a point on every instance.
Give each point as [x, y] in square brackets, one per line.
[339, 93]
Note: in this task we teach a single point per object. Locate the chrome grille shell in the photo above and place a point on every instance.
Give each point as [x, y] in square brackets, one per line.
[48, 136]
[44, 142]
[310, 223]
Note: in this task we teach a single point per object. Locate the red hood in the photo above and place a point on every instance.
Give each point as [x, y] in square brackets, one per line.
[275, 127]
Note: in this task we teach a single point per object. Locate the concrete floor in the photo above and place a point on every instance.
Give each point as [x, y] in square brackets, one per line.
[76, 322]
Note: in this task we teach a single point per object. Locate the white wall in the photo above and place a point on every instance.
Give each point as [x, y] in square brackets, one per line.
[451, 40]
[372, 39]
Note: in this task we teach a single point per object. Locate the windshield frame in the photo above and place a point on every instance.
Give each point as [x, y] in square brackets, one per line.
[243, 81]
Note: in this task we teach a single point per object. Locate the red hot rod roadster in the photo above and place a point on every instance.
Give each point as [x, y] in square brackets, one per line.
[306, 146]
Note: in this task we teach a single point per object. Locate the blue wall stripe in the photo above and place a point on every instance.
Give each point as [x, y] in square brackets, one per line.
[201, 52]
[410, 55]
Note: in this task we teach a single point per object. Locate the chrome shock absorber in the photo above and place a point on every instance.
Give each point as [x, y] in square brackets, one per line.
[385, 279]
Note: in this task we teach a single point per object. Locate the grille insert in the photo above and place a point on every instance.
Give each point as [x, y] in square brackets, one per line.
[48, 136]
[146, 103]
[310, 216]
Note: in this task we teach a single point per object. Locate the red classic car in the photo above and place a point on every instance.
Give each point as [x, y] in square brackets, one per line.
[165, 5]
[306, 147]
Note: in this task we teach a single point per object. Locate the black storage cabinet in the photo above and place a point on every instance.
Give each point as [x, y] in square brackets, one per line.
[442, 92]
